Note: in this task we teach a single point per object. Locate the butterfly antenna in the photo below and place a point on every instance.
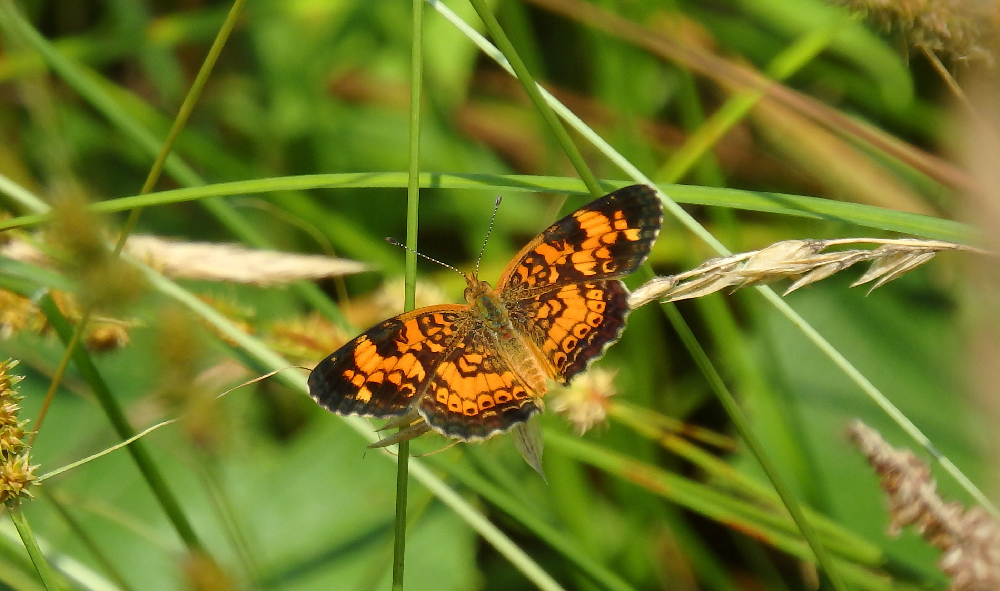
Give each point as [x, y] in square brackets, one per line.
[395, 242]
[496, 206]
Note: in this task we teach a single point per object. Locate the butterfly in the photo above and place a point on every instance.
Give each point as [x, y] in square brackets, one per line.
[474, 370]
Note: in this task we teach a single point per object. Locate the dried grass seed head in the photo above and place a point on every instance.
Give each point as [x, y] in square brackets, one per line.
[104, 281]
[969, 540]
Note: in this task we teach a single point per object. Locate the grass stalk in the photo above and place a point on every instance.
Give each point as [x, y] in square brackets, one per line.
[116, 415]
[45, 572]
[786, 63]
[532, 88]
[756, 448]
[187, 107]
[410, 274]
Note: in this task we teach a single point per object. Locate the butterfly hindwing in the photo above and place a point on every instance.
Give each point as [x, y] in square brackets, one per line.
[475, 393]
[383, 371]
[573, 325]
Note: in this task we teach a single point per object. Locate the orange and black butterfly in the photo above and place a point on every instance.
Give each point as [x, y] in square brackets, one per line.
[477, 369]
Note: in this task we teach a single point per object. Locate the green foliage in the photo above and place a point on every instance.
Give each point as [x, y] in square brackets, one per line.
[299, 141]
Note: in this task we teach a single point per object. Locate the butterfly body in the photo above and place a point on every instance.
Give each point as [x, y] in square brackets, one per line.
[475, 370]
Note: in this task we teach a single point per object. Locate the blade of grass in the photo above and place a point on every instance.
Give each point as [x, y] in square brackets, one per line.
[109, 404]
[100, 94]
[28, 539]
[410, 273]
[794, 205]
[559, 541]
[532, 88]
[742, 425]
[689, 222]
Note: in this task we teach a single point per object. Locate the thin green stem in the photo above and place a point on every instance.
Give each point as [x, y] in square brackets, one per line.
[756, 448]
[109, 404]
[531, 87]
[154, 175]
[410, 274]
[87, 540]
[34, 552]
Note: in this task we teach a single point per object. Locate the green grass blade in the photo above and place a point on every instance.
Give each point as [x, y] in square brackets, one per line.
[865, 216]
[37, 558]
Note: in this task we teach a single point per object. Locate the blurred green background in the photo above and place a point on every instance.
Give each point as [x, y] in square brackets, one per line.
[284, 495]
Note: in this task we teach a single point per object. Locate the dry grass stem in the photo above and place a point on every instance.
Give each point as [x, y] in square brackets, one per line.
[804, 260]
[969, 540]
[214, 262]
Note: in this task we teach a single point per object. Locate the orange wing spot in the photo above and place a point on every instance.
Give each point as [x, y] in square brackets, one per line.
[494, 382]
[632, 234]
[454, 403]
[556, 305]
[585, 214]
[550, 253]
[434, 347]
[595, 294]
[485, 401]
[594, 319]
[364, 394]
[597, 306]
[559, 358]
[464, 365]
[620, 224]
[586, 268]
[554, 275]
[474, 358]
[556, 333]
[442, 395]
[608, 266]
[348, 374]
[602, 253]
[575, 312]
[580, 330]
[408, 390]
[358, 380]
[377, 377]
[469, 408]
[542, 312]
[366, 358]
[582, 256]
[395, 377]
[412, 332]
[502, 396]
[519, 393]
[568, 344]
[610, 238]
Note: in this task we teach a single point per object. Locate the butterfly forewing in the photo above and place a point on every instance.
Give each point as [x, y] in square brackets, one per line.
[608, 238]
[383, 371]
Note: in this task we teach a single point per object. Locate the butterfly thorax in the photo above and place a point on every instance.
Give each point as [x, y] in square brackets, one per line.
[486, 303]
